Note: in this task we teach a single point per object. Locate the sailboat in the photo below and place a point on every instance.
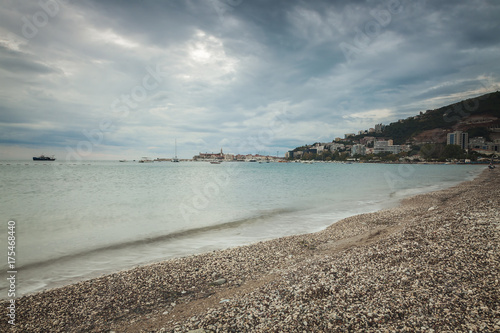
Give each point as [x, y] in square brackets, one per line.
[175, 159]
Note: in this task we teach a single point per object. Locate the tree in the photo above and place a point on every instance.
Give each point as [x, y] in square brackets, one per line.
[473, 155]
[453, 152]
[390, 157]
[307, 156]
[327, 154]
[343, 156]
[479, 131]
[431, 151]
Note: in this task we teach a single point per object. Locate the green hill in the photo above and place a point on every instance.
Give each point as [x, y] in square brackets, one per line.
[478, 116]
[450, 117]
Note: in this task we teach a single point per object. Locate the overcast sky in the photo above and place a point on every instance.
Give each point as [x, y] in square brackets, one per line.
[125, 79]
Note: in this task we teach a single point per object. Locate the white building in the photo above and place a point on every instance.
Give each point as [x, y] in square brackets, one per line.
[458, 138]
[358, 150]
[319, 148]
[334, 146]
[386, 146]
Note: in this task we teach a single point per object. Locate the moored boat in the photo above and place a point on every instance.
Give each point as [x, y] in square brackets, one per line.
[145, 160]
[175, 159]
[44, 158]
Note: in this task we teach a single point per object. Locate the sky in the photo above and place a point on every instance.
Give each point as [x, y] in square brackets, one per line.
[87, 80]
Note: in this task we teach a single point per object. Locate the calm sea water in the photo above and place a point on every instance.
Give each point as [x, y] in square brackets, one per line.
[75, 222]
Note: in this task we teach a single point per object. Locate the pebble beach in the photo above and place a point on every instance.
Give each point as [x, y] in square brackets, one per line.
[431, 264]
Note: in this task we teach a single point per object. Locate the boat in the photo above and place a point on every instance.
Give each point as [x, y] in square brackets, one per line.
[122, 160]
[145, 160]
[175, 159]
[44, 158]
[214, 162]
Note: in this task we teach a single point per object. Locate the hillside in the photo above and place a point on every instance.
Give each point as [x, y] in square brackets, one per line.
[473, 115]
[479, 117]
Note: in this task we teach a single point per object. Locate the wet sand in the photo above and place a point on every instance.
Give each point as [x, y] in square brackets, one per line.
[431, 264]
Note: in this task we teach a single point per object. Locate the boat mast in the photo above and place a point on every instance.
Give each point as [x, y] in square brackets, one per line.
[175, 159]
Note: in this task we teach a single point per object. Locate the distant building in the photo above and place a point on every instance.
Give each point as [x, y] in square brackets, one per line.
[294, 154]
[338, 139]
[319, 148]
[229, 157]
[481, 145]
[209, 156]
[348, 135]
[379, 128]
[367, 139]
[477, 143]
[311, 150]
[335, 146]
[358, 150]
[458, 138]
[384, 146]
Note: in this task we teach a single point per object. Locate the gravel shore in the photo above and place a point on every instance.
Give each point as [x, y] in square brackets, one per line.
[430, 265]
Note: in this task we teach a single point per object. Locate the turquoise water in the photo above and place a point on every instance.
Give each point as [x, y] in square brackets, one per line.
[79, 221]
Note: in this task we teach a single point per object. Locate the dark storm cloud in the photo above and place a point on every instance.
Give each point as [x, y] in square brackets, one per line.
[215, 72]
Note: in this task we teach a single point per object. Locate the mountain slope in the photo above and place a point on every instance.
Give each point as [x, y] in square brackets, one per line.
[468, 115]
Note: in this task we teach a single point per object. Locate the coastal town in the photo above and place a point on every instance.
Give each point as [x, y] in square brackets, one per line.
[352, 148]
[445, 135]
[454, 133]
[370, 148]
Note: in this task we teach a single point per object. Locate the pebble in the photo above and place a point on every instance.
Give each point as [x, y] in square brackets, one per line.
[219, 282]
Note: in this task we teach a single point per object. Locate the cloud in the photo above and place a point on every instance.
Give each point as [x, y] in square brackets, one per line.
[374, 115]
[227, 68]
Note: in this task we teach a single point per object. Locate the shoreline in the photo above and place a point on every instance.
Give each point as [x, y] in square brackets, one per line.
[289, 272]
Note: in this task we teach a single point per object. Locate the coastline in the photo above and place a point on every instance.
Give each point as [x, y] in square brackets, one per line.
[431, 263]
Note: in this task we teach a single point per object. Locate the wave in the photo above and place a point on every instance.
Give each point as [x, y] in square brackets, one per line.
[188, 233]
[439, 185]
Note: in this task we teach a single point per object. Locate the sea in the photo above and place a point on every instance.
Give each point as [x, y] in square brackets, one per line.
[78, 221]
